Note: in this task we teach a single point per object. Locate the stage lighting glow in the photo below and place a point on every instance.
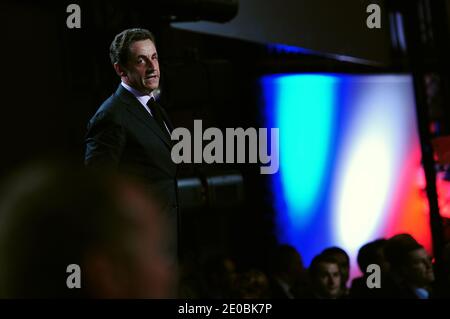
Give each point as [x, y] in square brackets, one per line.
[305, 112]
[283, 48]
[349, 160]
[362, 192]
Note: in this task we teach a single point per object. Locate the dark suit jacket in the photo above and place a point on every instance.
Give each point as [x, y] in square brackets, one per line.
[123, 136]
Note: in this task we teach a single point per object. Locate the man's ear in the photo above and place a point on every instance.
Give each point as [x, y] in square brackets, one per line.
[120, 70]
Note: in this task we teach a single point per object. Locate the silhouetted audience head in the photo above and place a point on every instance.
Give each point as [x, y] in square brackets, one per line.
[253, 284]
[343, 261]
[219, 275]
[287, 275]
[409, 261]
[372, 253]
[288, 263]
[53, 216]
[325, 276]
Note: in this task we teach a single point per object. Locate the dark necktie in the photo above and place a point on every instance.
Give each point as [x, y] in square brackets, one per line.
[157, 115]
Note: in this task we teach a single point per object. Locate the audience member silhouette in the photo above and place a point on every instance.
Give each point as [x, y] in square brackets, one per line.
[53, 216]
[325, 277]
[219, 277]
[344, 264]
[411, 273]
[370, 253]
[288, 277]
[253, 284]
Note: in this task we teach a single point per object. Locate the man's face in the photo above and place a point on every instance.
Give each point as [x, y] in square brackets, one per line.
[142, 69]
[329, 280]
[419, 270]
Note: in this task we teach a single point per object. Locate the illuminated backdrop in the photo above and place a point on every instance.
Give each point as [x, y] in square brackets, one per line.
[350, 160]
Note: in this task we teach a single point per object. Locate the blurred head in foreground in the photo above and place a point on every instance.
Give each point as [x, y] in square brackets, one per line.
[55, 216]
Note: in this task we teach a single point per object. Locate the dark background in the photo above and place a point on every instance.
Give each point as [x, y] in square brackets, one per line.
[54, 79]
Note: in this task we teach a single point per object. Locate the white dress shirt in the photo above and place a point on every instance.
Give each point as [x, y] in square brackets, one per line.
[142, 97]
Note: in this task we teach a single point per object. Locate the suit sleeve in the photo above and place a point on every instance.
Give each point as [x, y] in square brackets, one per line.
[105, 141]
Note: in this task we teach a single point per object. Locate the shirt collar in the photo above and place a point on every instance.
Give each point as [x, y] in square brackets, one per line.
[142, 97]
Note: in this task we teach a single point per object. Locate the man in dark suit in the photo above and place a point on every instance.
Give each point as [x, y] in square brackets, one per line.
[130, 132]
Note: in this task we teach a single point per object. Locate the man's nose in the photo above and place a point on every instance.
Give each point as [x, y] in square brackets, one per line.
[152, 65]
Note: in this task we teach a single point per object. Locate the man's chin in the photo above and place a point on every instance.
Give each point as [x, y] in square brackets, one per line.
[147, 89]
[150, 88]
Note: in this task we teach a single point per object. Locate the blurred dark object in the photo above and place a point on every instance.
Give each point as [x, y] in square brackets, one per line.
[194, 10]
[287, 276]
[55, 214]
[191, 193]
[446, 222]
[253, 284]
[191, 10]
[225, 190]
[196, 82]
[219, 276]
[425, 26]
[441, 146]
[214, 190]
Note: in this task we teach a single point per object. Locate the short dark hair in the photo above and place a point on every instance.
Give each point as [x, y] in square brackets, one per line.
[397, 249]
[283, 257]
[333, 251]
[370, 253]
[120, 46]
[321, 259]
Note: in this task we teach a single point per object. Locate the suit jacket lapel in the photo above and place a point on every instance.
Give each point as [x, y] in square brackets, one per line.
[136, 108]
[166, 119]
